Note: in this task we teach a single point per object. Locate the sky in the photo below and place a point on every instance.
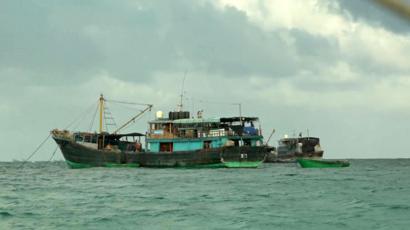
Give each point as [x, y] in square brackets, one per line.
[340, 69]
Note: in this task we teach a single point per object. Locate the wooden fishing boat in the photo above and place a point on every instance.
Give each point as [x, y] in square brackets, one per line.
[292, 148]
[178, 140]
[315, 163]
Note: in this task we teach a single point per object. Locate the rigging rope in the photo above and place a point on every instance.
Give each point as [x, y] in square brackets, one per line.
[136, 119]
[81, 115]
[54, 153]
[125, 102]
[109, 118]
[35, 151]
[93, 119]
[128, 107]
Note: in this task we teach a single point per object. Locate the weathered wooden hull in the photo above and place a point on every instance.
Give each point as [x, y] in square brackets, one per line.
[77, 155]
[291, 158]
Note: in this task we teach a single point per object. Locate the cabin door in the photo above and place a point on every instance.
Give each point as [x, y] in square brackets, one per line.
[166, 147]
[207, 144]
[100, 142]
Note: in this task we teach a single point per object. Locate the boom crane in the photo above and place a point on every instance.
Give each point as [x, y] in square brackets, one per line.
[149, 107]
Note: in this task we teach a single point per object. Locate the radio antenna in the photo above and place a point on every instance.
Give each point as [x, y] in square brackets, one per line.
[182, 93]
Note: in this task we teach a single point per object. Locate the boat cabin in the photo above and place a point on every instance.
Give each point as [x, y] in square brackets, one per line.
[180, 132]
[295, 145]
[107, 141]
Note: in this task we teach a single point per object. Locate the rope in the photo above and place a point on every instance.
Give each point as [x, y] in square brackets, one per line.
[35, 151]
[133, 122]
[109, 118]
[54, 153]
[127, 107]
[80, 116]
[124, 102]
[92, 121]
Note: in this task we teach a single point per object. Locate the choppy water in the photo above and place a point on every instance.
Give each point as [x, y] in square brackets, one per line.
[371, 194]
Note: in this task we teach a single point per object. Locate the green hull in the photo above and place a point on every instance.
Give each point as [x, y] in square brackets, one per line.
[206, 166]
[231, 164]
[242, 164]
[74, 165]
[308, 163]
[112, 165]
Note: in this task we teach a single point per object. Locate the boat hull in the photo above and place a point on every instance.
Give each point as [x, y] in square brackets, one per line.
[242, 164]
[310, 163]
[79, 156]
[292, 158]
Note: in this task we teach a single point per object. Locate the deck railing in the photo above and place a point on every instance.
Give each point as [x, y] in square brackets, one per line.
[154, 134]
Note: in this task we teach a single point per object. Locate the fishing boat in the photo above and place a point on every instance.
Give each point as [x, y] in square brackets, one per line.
[178, 140]
[316, 163]
[292, 148]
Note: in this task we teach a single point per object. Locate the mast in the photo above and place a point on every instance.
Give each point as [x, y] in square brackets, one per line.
[240, 111]
[180, 106]
[101, 112]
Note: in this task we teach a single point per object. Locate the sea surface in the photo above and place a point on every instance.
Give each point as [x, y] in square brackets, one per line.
[371, 194]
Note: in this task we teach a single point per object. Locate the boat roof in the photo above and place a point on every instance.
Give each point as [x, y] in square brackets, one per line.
[196, 120]
[204, 120]
[126, 135]
[299, 138]
[233, 119]
[187, 121]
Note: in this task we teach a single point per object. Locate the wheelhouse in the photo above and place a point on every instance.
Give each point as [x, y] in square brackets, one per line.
[187, 134]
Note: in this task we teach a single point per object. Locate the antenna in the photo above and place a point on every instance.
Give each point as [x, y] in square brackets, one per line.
[182, 93]
[240, 109]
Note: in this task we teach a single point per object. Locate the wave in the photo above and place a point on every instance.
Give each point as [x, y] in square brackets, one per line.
[5, 214]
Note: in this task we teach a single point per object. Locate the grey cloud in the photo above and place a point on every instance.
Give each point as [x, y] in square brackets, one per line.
[30, 42]
[67, 42]
[376, 15]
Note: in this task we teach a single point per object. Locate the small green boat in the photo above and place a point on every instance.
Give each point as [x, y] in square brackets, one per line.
[241, 164]
[311, 163]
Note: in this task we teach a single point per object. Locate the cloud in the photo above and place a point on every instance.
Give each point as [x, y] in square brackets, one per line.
[323, 35]
[65, 43]
[369, 12]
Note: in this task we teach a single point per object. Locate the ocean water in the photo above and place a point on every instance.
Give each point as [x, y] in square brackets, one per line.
[371, 194]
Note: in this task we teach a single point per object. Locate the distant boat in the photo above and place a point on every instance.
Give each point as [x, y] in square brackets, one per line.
[312, 163]
[292, 148]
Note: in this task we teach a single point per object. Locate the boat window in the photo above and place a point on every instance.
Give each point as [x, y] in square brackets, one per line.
[247, 142]
[207, 144]
[78, 138]
[87, 138]
[166, 147]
